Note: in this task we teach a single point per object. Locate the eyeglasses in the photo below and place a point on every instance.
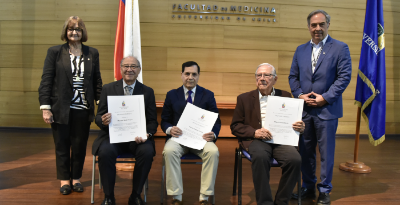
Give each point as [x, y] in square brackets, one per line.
[130, 66]
[260, 75]
[74, 29]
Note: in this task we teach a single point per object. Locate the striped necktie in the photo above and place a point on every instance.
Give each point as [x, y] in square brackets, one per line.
[128, 90]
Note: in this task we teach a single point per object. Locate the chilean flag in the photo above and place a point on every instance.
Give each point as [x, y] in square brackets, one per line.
[127, 36]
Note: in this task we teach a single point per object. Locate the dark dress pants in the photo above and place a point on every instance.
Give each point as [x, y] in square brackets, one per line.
[108, 154]
[289, 160]
[70, 141]
[322, 132]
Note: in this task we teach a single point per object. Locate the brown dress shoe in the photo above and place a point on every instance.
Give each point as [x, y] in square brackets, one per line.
[176, 202]
[204, 202]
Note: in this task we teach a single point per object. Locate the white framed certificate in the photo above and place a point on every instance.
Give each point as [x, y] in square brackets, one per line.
[281, 113]
[194, 122]
[128, 119]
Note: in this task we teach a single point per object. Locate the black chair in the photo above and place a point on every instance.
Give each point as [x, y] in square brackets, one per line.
[237, 181]
[188, 156]
[145, 187]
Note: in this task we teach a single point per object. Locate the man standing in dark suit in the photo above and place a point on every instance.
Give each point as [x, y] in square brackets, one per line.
[248, 126]
[320, 72]
[174, 104]
[143, 149]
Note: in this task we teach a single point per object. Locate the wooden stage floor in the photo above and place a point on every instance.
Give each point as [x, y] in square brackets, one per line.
[28, 174]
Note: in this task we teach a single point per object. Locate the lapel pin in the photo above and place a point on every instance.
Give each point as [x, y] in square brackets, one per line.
[323, 53]
[89, 58]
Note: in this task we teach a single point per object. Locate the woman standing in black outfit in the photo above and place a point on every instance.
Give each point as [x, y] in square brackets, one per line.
[71, 83]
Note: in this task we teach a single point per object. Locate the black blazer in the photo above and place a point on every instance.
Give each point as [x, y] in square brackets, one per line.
[56, 86]
[175, 103]
[247, 116]
[116, 88]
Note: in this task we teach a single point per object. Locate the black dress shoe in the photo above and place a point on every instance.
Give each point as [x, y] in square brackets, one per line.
[108, 201]
[77, 187]
[323, 199]
[305, 193]
[135, 199]
[65, 190]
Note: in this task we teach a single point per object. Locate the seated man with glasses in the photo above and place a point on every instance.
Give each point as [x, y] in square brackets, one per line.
[248, 125]
[143, 149]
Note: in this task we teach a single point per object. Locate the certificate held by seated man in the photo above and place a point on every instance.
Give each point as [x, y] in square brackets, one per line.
[282, 113]
[195, 122]
[128, 120]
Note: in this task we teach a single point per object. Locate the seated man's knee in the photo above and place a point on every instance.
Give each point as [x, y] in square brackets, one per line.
[107, 151]
[170, 152]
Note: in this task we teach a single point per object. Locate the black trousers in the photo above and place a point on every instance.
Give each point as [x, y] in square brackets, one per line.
[289, 160]
[70, 141]
[108, 154]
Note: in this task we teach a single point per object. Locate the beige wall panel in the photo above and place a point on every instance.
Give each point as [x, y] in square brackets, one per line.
[215, 17]
[106, 56]
[392, 111]
[13, 102]
[99, 10]
[393, 89]
[20, 79]
[350, 91]
[49, 32]
[392, 67]
[392, 22]
[23, 56]
[31, 32]
[221, 60]
[294, 16]
[99, 33]
[107, 76]
[154, 58]
[154, 11]
[326, 3]
[160, 97]
[350, 128]
[27, 10]
[277, 39]
[164, 81]
[352, 39]
[167, 35]
[392, 45]
[285, 63]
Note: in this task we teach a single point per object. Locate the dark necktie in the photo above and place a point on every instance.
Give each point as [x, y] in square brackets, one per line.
[189, 98]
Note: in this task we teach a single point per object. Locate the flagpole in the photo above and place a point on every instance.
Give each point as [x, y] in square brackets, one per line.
[355, 166]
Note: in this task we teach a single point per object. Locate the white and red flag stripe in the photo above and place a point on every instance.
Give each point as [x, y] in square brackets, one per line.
[127, 36]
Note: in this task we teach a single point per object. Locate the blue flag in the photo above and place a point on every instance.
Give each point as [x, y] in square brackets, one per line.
[371, 78]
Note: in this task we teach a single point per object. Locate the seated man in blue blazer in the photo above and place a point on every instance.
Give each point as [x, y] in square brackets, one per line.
[174, 104]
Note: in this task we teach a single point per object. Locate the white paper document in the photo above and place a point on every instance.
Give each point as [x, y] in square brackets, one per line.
[194, 122]
[127, 118]
[281, 113]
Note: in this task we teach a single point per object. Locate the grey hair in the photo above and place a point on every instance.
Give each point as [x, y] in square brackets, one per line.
[122, 60]
[267, 64]
[319, 11]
